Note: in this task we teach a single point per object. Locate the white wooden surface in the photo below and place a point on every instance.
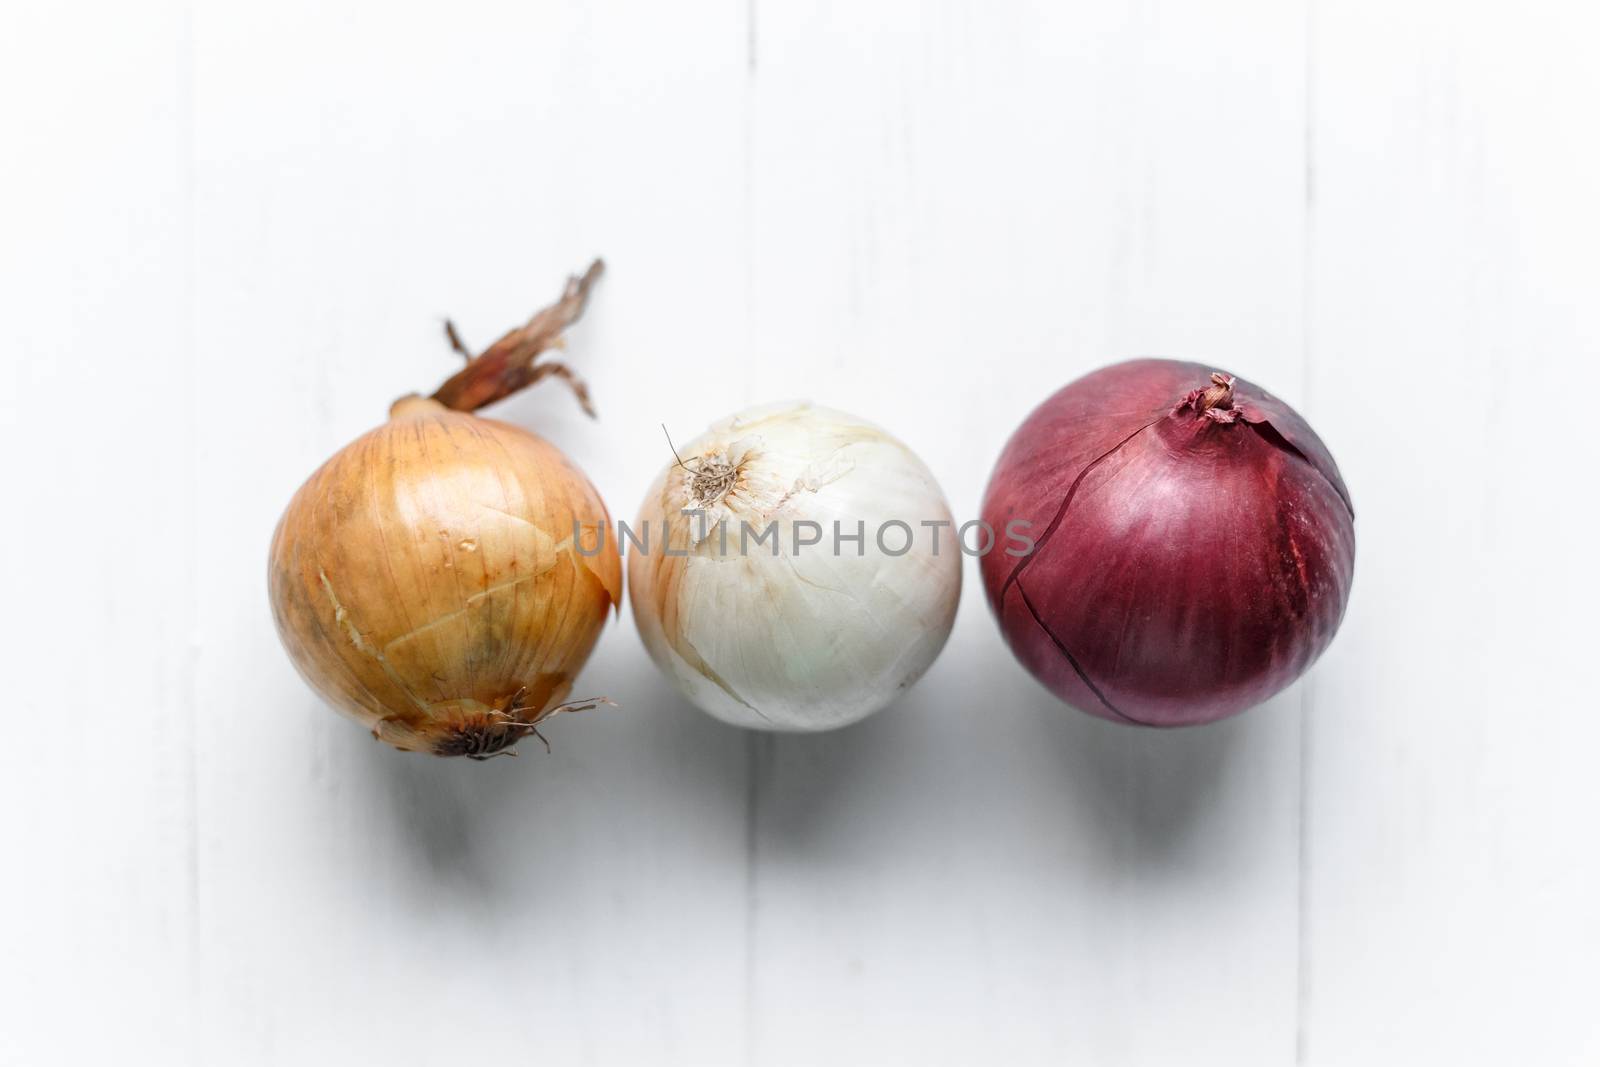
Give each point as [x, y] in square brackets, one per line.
[227, 236]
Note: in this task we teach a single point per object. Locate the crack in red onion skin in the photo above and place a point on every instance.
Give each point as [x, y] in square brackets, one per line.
[1194, 565]
[1072, 660]
[1066, 502]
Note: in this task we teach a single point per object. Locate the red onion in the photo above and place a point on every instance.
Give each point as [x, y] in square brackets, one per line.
[1194, 544]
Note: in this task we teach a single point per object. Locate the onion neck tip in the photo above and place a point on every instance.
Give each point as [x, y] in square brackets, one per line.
[414, 404]
[1214, 402]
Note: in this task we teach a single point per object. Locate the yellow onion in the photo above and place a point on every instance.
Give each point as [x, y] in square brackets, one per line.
[442, 579]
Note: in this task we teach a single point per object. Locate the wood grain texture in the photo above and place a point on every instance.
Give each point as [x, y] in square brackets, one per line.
[1451, 885]
[230, 236]
[97, 791]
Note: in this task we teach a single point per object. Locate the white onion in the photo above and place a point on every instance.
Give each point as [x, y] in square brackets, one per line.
[816, 636]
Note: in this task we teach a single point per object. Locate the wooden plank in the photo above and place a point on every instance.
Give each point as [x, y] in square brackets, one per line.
[97, 546]
[957, 209]
[1451, 884]
[363, 173]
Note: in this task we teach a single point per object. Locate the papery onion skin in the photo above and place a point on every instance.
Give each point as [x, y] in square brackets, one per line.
[425, 580]
[805, 641]
[1195, 544]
